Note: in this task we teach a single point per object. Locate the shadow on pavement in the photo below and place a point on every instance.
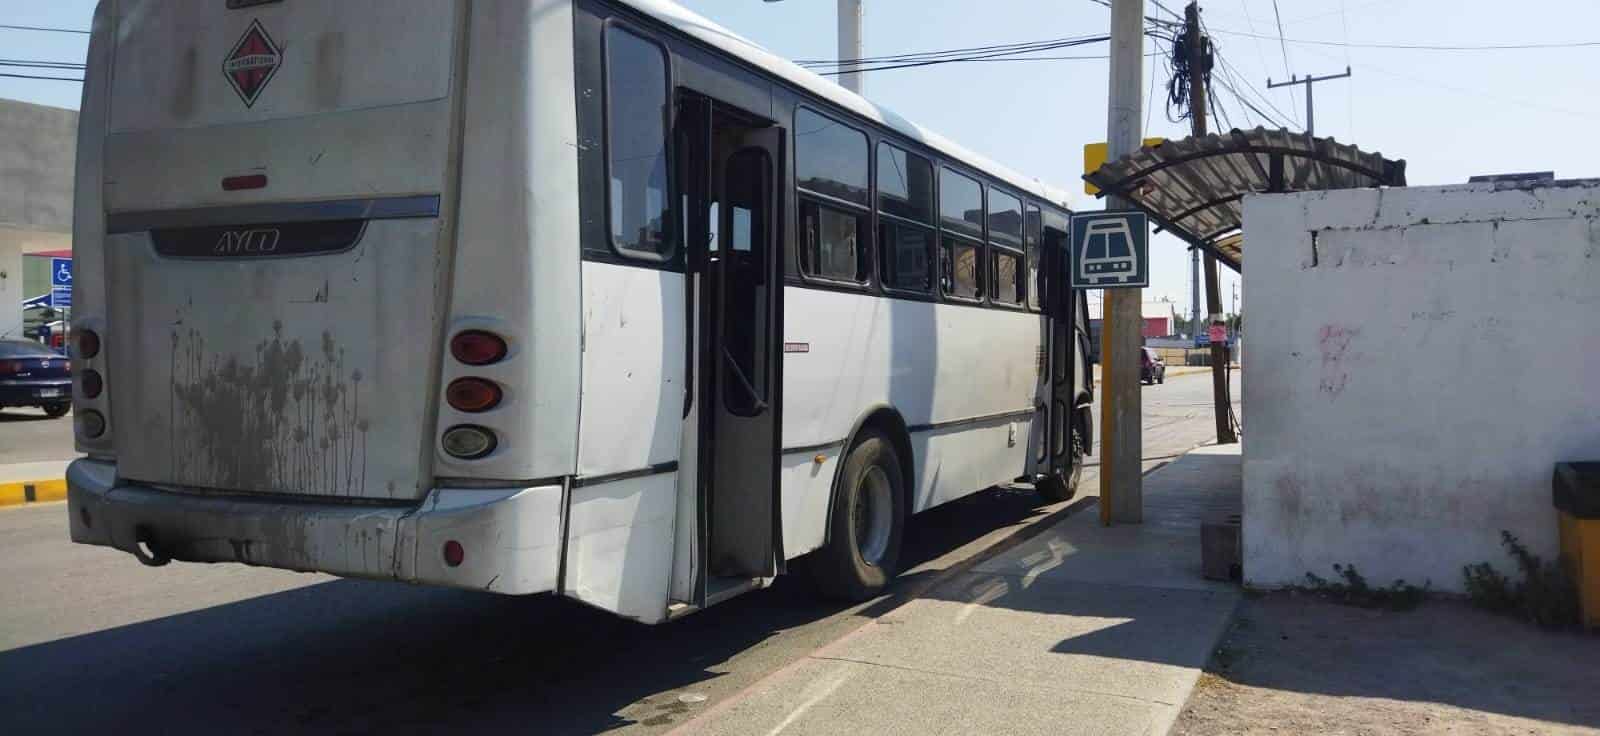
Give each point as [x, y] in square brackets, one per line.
[359, 656]
[1443, 652]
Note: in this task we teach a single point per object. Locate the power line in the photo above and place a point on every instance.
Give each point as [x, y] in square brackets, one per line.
[41, 64]
[35, 76]
[922, 55]
[42, 28]
[1419, 46]
[992, 56]
[1285, 46]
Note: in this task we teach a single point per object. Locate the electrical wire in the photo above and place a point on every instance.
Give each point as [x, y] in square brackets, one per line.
[1285, 46]
[846, 67]
[42, 28]
[922, 55]
[1416, 46]
[37, 64]
[36, 76]
[1239, 78]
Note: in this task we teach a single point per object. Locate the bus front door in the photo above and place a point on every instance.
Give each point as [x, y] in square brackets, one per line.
[738, 336]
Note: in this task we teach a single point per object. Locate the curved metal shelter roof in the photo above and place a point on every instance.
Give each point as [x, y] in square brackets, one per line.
[1193, 187]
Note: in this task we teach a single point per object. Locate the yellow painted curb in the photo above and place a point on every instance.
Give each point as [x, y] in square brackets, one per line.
[33, 491]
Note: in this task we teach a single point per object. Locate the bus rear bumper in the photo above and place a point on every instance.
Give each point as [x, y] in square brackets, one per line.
[511, 538]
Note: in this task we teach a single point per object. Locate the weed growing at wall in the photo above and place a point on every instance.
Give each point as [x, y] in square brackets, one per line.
[1544, 595]
[1352, 589]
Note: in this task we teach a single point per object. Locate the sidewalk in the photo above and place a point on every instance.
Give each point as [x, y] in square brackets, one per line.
[1081, 629]
[33, 482]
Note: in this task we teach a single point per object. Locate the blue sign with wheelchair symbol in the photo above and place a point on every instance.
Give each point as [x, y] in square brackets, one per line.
[60, 282]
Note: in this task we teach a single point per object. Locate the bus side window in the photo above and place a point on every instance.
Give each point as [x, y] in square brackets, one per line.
[905, 219]
[1032, 228]
[831, 172]
[1005, 246]
[636, 145]
[961, 218]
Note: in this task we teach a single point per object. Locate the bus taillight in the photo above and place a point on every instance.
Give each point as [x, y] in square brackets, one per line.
[88, 344]
[477, 347]
[472, 394]
[468, 441]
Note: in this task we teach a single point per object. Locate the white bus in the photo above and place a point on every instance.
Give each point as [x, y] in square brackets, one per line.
[584, 297]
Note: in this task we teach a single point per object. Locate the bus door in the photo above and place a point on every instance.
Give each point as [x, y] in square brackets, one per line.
[735, 222]
[1066, 366]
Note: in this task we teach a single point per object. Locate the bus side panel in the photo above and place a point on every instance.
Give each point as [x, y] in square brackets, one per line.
[620, 543]
[516, 266]
[935, 364]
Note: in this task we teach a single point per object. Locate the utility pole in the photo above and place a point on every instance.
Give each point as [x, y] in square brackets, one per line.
[1199, 58]
[1121, 333]
[1308, 81]
[1194, 295]
[850, 46]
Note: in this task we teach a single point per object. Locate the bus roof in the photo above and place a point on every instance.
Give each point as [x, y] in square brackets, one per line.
[690, 23]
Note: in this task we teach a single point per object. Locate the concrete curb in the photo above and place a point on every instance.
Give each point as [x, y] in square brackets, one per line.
[15, 493]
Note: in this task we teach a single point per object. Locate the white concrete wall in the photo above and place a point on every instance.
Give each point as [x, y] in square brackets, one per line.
[38, 146]
[1419, 359]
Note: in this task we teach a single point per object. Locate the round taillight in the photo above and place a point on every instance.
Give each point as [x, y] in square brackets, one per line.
[472, 394]
[92, 384]
[88, 344]
[91, 424]
[454, 553]
[468, 441]
[477, 347]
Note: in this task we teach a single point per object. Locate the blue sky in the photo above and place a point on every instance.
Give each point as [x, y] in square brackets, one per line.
[1450, 114]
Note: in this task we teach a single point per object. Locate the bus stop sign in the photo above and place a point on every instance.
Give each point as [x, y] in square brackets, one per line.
[1110, 250]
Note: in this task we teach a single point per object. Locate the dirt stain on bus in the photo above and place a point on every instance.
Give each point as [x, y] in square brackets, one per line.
[288, 420]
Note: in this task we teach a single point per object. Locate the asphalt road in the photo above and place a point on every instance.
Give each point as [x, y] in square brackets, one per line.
[27, 435]
[92, 641]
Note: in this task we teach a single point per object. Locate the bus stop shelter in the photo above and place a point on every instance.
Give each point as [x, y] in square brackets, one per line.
[1193, 187]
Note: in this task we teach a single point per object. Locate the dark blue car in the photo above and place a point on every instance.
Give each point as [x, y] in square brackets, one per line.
[32, 374]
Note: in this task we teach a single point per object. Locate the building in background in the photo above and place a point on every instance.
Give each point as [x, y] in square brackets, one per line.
[37, 153]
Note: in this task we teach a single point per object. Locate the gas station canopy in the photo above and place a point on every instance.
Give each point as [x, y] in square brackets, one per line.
[1193, 187]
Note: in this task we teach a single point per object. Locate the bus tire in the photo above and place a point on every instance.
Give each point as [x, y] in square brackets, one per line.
[859, 559]
[1057, 489]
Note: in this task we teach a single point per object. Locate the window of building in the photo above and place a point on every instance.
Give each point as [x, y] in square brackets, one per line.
[636, 145]
[830, 158]
[830, 242]
[960, 203]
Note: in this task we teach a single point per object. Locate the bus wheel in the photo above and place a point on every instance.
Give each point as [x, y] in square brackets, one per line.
[866, 524]
[1056, 489]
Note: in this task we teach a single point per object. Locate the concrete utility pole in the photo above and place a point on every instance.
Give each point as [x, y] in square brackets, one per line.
[1194, 295]
[850, 47]
[1308, 81]
[1199, 48]
[1121, 333]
